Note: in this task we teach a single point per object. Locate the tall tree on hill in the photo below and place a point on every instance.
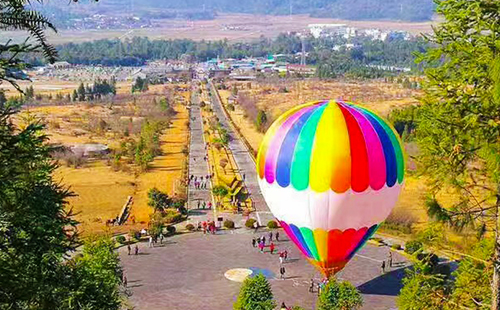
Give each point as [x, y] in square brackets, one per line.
[459, 126]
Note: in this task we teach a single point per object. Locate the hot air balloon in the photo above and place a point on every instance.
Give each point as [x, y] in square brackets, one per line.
[331, 172]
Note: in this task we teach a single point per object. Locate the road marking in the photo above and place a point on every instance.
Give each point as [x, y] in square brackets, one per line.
[369, 258]
[258, 218]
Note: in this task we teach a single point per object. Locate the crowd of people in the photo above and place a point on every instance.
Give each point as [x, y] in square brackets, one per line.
[199, 182]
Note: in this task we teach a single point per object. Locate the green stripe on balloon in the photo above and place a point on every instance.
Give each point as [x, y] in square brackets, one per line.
[395, 143]
[308, 236]
[303, 149]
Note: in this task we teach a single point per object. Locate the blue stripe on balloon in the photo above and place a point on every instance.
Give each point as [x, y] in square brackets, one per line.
[287, 149]
[369, 233]
[298, 235]
[391, 165]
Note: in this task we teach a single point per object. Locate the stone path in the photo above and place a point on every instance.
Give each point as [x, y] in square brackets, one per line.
[197, 165]
[188, 273]
[245, 162]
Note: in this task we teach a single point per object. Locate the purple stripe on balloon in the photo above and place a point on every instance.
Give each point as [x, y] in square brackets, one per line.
[376, 160]
[274, 146]
[295, 240]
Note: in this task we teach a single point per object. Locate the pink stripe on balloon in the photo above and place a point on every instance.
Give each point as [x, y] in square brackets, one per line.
[376, 158]
[275, 145]
[292, 236]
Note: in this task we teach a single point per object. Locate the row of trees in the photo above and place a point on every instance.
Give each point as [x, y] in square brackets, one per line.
[138, 50]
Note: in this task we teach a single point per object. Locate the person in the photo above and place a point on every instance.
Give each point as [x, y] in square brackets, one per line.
[311, 286]
[150, 241]
[285, 255]
[255, 226]
[281, 258]
[204, 205]
[383, 266]
[271, 247]
[283, 306]
[124, 280]
[244, 177]
[199, 203]
[261, 246]
[390, 259]
[277, 236]
[161, 238]
[254, 242]
[129, 249]
[282, 272]
[136, 250]
[209, 205]
[264, 240]
[270, 236]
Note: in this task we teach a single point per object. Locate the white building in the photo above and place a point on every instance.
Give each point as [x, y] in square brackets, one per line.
[322, 30]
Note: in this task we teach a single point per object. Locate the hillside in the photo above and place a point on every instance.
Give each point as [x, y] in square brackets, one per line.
[400, 10]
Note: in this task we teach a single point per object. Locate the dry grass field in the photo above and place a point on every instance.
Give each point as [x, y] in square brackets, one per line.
[246, 27]
[101, 189]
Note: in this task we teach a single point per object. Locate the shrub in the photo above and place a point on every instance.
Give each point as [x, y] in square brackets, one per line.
[249, 223]
[413, 246]
[171, 230]
[272, 224]
[135, 234]
[190, 227]
[396, 246]
[121, 239]
[229, 224]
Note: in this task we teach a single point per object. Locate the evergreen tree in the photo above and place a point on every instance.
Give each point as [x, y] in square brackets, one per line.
[255, 294]
[459, 128]
[81, 92]
[339, 296]
[74, 96]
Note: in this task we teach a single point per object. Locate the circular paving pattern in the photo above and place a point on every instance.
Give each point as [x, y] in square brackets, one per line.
[238, 274]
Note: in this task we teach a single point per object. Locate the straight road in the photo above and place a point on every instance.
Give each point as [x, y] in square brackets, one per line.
[197, 165]
[244, 160]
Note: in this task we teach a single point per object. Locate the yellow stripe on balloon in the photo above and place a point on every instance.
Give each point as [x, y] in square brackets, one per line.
[331, 158]
[264, 145]
[321, 240]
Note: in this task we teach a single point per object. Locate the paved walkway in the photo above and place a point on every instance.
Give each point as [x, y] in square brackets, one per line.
[246, 164]
[197, 165]
[188, 273]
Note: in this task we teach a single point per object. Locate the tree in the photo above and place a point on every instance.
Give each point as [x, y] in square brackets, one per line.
[74, 96]
[459, 123]
[261, 120]
[29, 92]
[81, 92]
[95, 277]
[158, 200]
[255, 294]
[339, 296]
[422, 288]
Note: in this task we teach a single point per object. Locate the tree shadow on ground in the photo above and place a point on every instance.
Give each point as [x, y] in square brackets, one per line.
[387, 284]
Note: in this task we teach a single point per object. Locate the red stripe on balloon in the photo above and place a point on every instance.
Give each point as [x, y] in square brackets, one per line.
[360, 177]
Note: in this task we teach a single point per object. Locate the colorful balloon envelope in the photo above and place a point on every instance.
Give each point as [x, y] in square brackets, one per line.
[331, 172]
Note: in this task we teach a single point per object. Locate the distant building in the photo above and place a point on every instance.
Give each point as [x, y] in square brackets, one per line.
[326, 30]
[60, 65]
[300, 69]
